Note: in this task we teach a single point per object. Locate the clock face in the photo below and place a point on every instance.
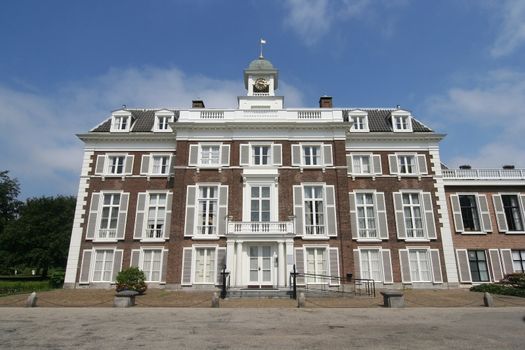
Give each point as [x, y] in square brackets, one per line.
[261, 84]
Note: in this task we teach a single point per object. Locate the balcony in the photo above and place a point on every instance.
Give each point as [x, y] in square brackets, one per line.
[484, 176]
[260, 228]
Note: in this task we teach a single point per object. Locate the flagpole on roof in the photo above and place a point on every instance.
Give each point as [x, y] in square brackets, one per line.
[262, 42]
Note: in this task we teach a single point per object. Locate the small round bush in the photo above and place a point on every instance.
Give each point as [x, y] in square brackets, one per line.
[131, 279]
[56, 280]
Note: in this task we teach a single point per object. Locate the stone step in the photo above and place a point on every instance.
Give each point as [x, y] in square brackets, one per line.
[260, 293]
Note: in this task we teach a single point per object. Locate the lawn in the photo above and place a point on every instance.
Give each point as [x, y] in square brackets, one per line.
[19, 287]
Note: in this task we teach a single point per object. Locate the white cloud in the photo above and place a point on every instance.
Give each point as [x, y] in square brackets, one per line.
[512, 34]
[493, 111]
[37, 129]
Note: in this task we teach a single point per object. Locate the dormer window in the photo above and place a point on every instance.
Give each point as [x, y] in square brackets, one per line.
[120, 122]
[401, 123]
[162, 121]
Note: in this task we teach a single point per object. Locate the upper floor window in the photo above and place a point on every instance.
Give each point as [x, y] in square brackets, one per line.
[120, 123]
[359, 123]
[209, 155]
[260, 154]
[162, 122]
[364, 164]
[312, 155]
[314, 210]
[206, 210]
[116, 165]
[408, 164]
[366, 216]
[152, 220]
[109, 218]
[160, 165]
[513, 212]
[207, 214]
[401, 122]
[471, 213]
[156, 215]
[414, 215]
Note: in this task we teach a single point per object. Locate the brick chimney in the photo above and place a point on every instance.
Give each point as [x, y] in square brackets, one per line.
[325, 102]
[509, 167]
[197, 104]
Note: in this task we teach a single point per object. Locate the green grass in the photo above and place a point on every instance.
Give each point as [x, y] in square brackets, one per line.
[18, 287]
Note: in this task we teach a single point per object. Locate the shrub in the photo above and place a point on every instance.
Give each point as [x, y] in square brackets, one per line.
[516, 280]
[19, 287]
[498, 288]
[131, 279]
[57, 279]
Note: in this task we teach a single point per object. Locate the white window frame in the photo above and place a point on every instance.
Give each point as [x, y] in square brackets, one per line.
[320, 157]
[376, 220]
[194, 263]
[522, 210]
[415, 166]
[201, 150]
[252, 154]
[478, 210]
[429, 261]
[308, 280]
[215, 226]
[103, 194]
[152, 161]
[117, 121]
[157, 126]
[149, 194]
[142, 260]
[109, 165]
[94, 263]
[322, 228]
[274, 198]
[404, 115]
[422, 214]
[370, 164]
[379, 251]
[365, 127]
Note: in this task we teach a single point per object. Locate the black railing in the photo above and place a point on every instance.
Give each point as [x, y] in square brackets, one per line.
[225, 282]
[364, 285]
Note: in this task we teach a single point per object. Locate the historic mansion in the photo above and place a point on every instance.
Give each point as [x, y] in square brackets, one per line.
[183, 193]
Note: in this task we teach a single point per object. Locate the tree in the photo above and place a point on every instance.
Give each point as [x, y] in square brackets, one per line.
[9, 191]
[40, 236]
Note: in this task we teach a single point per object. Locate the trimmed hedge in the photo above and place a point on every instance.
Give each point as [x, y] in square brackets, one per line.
[18, 287]
[513, 284]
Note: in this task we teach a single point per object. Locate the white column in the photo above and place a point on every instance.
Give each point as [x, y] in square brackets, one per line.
[230, 257]
[238, 270]
[289, 253]
[282, 265]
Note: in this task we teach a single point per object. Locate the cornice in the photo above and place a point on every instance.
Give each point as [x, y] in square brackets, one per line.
[132, 136]
[393, 136]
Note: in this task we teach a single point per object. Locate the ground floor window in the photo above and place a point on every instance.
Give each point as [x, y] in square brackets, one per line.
[316, 264]
[478, 265]
[371, 264]
[419, 265]
[518, 260]
[205, 265]
[151, 264]
[103, 266]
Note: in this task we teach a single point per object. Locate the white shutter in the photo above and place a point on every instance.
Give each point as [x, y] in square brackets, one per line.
[244, 155]
[349, 163]
[223, 210]
[277, 154]
[134, 260]
[167, 219]
[357, 264]
[296, 155]
[506, 259]
[298, 209]
[485, 215]
[93, 213]
[495, 263]
[463, 266]
[299, 264]
[225, 155]
[220, 264]
[327, 155]
[436, 266]
[140, 218]
[422, 164]
[99, 167]
[388, 275]
[164, 269]
[382, 224]
[171, 168]
[376, 163]
[400, 215]
[85, 266]
[334, 266]
[144, 164]
[429, 215]
[193, 157]
[404, 262]
[122, 215]
[191, 207]
[392, 161]
[522, 198]
[353, 215]
[128, 169]
[117, 263]
[456, 211]
[187, 272]
[500, 213]
[331, 216]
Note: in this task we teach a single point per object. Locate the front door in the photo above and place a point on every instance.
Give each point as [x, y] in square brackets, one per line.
[260, 266]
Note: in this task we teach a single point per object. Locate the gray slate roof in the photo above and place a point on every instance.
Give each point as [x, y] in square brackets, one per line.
[379, 120]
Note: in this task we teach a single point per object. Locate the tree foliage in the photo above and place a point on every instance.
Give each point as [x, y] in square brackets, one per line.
[9, 204]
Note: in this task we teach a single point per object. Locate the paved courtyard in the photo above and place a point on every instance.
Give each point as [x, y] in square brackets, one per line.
[269, 328]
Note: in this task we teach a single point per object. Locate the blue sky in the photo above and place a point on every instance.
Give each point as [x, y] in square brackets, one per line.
[64, 65]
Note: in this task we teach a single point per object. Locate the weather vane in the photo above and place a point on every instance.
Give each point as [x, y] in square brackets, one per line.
[262, 42]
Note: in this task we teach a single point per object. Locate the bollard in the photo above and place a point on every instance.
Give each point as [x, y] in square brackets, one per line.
[488, 300]
[301, 301]
[215, 300]
[31, 300]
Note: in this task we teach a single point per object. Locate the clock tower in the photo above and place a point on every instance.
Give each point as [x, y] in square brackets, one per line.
[260, 81]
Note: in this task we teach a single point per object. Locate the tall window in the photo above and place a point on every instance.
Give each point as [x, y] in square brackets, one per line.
[116, 164]
[314, 210]
[151, 264]
[412, 212]
[518, 260]
[208, 198]
[371, 264]
[261, 155]
[407, 164]
[260, 203]
[109, 219]
[316, 264]
[419, 265]
[512, 212]
[366, 218]
[156, 215]
[205, 265]
[478, 265]
[361, 164]
[160, 165]
[469, 212]
[312, 155]
[103, 266]
[210, 155]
